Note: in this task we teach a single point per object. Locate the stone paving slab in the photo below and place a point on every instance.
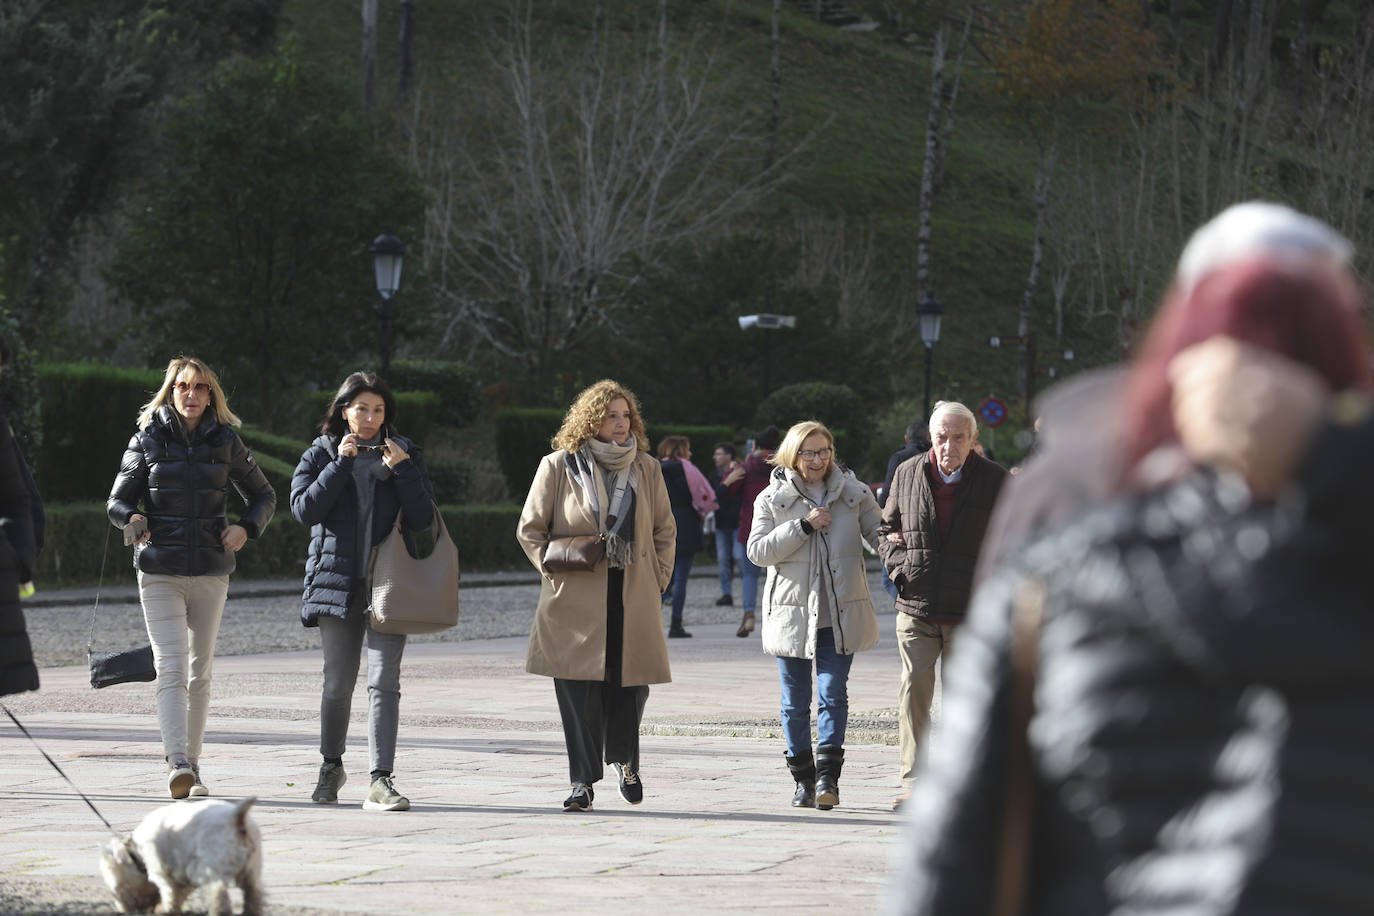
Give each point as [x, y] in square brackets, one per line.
[481, 757]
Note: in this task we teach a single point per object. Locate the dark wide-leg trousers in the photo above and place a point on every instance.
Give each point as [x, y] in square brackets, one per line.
[601, 718]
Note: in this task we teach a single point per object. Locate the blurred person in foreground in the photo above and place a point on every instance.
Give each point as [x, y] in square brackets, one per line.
[807, 530]
[933, 525]
[21, 522]
[1192, 655]
[599, 633]
[729, 551]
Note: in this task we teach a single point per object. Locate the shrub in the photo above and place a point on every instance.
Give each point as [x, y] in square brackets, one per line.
[87, 419]
[452, 481]
[837, 406]
[457, 385]
[522, 438]
[285, 449]
[485, 536]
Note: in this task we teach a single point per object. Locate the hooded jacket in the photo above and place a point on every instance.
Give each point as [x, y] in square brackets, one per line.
[179, 479]
[1201, 738]
[800, 565]
[324, 496]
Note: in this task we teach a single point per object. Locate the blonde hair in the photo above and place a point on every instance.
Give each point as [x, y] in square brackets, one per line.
[219, 404]
[674, 447]
[588, 411]
[788, 454]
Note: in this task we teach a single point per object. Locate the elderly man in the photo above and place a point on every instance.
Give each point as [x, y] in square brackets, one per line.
[934, 521]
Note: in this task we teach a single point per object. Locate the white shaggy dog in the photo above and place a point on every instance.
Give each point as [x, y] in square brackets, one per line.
[181, 847]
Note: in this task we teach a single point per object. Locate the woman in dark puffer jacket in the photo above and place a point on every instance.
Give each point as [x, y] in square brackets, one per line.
[349, 487]
[173, 485]
[1200, 740]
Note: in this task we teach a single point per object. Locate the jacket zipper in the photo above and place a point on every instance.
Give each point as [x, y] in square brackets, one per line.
[825, 543]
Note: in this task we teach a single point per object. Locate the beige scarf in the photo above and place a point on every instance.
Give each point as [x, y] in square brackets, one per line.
[610, 487]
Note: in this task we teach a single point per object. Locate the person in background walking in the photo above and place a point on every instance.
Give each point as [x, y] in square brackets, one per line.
[349, 487]
[729, 551]
[807, 529]
[599, 632]
[692, 498]
[754, 476]
[174, 485]
[913, 443]
[933, 527]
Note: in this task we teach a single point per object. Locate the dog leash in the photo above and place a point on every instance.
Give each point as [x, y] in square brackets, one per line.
[90, 634]
[88, 802]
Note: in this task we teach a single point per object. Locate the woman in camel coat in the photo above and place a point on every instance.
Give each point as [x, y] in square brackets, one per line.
[599, 633]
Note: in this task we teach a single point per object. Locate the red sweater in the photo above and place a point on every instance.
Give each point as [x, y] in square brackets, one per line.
[943, 494]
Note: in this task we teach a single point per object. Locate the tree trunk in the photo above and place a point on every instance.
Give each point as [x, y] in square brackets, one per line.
[1025, 349]
[369, 61]
[1221, 32]
[405, 60]
[934, 153]
[775, 87]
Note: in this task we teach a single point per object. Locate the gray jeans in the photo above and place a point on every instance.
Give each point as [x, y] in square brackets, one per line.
[182, 614]
[343, 642]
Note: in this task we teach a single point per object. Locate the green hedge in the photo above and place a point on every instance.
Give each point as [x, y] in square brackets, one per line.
[88, 416]
[523, 434]
[78, 534]
[286, 449]
[457, 385]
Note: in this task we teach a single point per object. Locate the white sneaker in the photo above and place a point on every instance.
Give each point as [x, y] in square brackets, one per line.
[198, 789]
[180, 776]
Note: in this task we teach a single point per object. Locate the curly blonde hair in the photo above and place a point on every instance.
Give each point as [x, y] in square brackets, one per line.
[588, 410]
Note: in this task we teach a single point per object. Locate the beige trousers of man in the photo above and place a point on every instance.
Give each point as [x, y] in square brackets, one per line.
[921, 643]
[182, 614]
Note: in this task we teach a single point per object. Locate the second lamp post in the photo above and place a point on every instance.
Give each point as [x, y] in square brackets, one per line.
[388, 252]
[930, 312]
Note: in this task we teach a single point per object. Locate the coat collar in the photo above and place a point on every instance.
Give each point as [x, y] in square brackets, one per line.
[168, 419]
[840, 486]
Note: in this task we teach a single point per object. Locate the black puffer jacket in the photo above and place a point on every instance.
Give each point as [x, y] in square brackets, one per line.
[18, 553]
[181, 483]
[1202, 736]
[324, 496]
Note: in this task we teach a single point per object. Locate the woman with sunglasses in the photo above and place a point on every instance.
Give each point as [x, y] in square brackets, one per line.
[350, 486]
[806, 531]
[173, 489]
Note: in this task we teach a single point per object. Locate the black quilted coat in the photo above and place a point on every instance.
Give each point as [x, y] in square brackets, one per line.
[18, 553]
[181, 482]
[1203, 735]
[324, 497]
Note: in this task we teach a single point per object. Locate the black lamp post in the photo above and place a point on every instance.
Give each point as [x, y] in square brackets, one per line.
[388, 252]
[930, 312]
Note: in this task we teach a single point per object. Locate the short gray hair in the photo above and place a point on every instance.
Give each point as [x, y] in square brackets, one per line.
[953, 407]
[1258, 228]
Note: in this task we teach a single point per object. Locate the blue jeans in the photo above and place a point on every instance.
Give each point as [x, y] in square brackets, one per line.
[749, 574]
[728, 547]
[832, 693]
[682, 568]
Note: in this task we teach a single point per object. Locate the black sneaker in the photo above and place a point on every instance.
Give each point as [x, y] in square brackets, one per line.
[580, 799]
[631, 789]
[677, 632]
[725, 601]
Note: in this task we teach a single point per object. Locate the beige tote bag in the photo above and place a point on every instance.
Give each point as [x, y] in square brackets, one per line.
[412, 595]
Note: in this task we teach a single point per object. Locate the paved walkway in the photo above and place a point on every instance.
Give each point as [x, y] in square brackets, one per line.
[481, 758]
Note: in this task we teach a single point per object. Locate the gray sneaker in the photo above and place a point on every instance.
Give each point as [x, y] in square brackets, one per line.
[180, 776]
[198, 789]
[332, 778]
[382, 796]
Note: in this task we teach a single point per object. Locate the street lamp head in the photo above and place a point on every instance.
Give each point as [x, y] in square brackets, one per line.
[767, 321]
[387, 254]
[930, 312]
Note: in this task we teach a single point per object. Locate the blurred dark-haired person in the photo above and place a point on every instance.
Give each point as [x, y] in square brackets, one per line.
[754, 475]
[173, 485]
[808, 528]
[729, 551]
[350, 486]
[692, 498]
[1193, 729]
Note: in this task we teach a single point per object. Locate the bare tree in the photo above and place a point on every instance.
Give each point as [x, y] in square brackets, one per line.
[405, 60]
[369, 54]
[551, 203]
[939, 127]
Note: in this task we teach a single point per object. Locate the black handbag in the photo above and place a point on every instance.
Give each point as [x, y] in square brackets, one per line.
[125, 667]
[107, 668]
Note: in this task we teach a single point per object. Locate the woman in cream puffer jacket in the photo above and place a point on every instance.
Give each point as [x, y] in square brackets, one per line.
[807, 529]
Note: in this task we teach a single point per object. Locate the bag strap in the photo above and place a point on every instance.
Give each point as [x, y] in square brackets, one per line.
[1013, 860]
[90, 636]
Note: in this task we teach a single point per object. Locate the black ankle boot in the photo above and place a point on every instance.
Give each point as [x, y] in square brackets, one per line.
[803, 770]
[829, 762]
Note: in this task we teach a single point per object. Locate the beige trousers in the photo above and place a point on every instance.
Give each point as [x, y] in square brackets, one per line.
[920, 643]
[182, 614]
